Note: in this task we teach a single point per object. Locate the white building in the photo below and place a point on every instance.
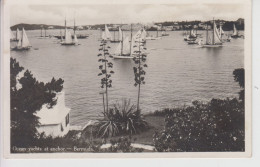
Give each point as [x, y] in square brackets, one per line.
[54, 121]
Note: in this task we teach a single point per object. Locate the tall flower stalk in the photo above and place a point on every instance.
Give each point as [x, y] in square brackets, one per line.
[139, 71]
[105, 69]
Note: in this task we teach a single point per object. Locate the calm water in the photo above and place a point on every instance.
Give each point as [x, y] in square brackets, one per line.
[177, 73]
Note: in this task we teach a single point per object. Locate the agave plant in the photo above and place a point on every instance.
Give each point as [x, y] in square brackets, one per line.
[123, 118]
[110, 125]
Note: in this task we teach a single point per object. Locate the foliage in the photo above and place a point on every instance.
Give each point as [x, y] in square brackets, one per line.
[139, 71]
[106, 81]
[214, 126]
[239, 76]
[122, 145]
[123, 118]
[26, 101]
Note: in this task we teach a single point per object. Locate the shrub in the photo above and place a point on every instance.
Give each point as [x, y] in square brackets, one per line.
[123, 118]
[214, 126]
[122, 145]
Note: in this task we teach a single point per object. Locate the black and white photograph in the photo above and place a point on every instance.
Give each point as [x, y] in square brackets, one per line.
[128, 78]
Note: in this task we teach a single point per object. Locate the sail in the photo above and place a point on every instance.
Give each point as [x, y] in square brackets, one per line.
[107, 33]
[19, 43]
[68, 38]
[75, 39]
[120, 36]
[118, 49]
[25, 41]
[18, 34]
[137, 36]
[193, 33]
[126, 46]
[217, 38]
[143, 35]
[11, 35]
[234, 30]
[221, 32]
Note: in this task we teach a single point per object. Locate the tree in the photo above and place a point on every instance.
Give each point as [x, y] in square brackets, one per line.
[26, 101]
[139, 71]
[106, 81]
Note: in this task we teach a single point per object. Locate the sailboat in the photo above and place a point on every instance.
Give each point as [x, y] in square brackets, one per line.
[221, 32]
[68, 37]
[235, 32]
[114, 40]
[45, 34]
[164, 33]
[212, 41]
[17, 35]
[124, 49]
[106, 34]
[12, 37]
[23, 43]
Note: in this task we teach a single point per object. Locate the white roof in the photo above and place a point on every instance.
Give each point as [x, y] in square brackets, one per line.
[56, 114]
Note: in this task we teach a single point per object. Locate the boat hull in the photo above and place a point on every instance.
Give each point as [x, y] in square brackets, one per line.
[68, 43]
[125, 56]
[21, 49]
[114, 41]
[211, 46]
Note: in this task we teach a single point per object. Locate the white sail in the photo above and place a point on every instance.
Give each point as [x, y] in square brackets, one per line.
[120, 36]
[137, 36]
[107, 33]
[221, 32]
[75, 39]
[18, 34]
[126, 46]
[25, 41]
[19, 43]
[143, 35]
[12, 37]
[118, 49]
[68, 38]
[234, 30]
[217, 38]
[193, 33]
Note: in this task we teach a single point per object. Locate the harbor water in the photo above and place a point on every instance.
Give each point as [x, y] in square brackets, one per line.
[177, 73]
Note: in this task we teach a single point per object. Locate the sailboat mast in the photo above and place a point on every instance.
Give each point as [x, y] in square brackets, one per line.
[122, 44]
[131, 41]
[213, 32]
[45, 32]
[207, 35]
[114, 35]
[74, 26]
[22, 37]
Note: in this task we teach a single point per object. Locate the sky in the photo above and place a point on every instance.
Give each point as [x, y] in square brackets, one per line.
[121, 13]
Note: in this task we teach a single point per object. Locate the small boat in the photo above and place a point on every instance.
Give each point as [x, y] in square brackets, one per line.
[212, 41]
[23, 43]
[235, 32]
[164, 33]
[229, 38]
[192, 42]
